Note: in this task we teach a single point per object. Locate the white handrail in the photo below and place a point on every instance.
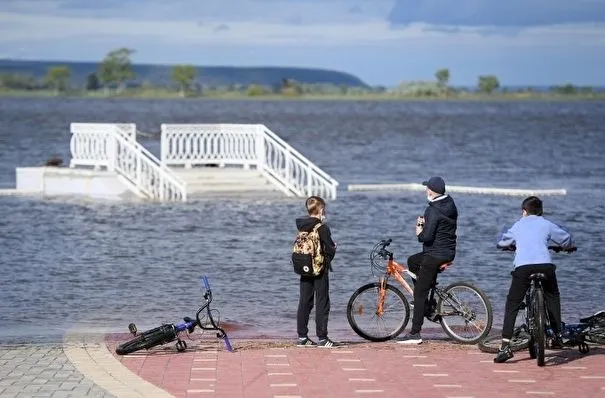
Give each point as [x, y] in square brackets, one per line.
[114, 147]
[249, 145]
[131, 160]
[89, 145]
[299, 173]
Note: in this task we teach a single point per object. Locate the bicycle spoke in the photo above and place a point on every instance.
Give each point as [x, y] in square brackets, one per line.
[374, 321]
[465, 312]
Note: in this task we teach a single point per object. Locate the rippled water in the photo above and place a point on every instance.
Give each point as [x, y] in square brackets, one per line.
[96, 266]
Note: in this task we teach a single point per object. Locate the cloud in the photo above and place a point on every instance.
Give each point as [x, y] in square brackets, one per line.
[512, 13]
[221, 28]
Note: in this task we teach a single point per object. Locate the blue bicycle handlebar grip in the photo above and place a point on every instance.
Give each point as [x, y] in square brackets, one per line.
[227, 343]
[205, 280]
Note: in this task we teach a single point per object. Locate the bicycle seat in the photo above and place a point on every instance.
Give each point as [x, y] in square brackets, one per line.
[538, 276]
[445, 266]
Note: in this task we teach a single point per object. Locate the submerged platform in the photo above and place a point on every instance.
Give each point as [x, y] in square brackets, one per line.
[202, 182]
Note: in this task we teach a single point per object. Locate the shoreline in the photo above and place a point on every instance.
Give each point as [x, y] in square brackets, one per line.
[232, 96]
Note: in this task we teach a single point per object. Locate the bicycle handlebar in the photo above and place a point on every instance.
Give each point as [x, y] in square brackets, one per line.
[205, 280]
[556, 249]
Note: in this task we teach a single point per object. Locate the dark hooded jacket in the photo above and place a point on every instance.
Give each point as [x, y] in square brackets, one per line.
[328, 246]
[438, 236]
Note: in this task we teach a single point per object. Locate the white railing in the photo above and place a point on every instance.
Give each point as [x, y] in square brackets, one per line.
[89, 142]
[201, 144]
[248, 145]
[285, 164]
[115, 148]
[144, 172]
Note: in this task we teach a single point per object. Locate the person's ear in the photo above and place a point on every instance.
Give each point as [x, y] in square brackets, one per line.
[524, 213]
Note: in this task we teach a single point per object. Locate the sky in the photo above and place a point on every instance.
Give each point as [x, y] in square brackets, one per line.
[384, 42]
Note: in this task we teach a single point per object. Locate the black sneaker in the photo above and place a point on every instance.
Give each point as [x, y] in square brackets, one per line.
[504, 354]
[305, 342]
[557, 343]
[410, 338]
[327, 343]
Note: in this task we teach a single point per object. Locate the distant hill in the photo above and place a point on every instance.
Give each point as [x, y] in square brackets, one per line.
[160, 75]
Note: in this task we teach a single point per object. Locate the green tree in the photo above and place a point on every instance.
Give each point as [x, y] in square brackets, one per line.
[255, 90]
[443, 79]
[116, 68]
[18, 81]
[57, 77]
[92, 82]
[290, 88]
[183, 75]
[566, 89]
[488, 83]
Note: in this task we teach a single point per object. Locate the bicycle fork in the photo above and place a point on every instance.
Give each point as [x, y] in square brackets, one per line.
[382, 291]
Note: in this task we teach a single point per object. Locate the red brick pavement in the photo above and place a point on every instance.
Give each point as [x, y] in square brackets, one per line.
[277, 369]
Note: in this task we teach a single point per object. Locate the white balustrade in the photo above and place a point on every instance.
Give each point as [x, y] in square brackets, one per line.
[114, 147]
[89, 142]
[201, 144]
[295, 171]
[247, 145]
[144, 171]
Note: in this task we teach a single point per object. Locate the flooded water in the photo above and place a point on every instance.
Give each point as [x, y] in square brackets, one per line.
[96, 266]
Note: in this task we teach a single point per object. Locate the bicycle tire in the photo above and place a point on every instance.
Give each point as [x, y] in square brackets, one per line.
[355, 310]
[520, 341]
[540, 329]
[464, 311]
[596, 336]
[148, 339]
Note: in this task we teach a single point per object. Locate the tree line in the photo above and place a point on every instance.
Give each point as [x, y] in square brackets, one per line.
[115, 71]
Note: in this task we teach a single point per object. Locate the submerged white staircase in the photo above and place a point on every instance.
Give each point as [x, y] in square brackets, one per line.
[227, 181]
[200, 160]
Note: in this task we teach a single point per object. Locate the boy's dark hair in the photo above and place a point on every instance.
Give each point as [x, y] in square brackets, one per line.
[532, 205]
[314, 204]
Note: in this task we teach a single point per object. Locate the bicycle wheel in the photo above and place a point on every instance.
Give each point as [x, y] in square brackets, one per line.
[466, 312]
[148, 339]
[596, 335]
[520, 341]
[368, 322]
[539, 337]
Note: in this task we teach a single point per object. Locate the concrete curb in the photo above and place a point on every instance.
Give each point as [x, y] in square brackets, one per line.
[89, 354]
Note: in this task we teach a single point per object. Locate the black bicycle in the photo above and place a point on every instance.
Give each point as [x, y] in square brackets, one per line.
[533, 334]
[590, 330]
[169, 332]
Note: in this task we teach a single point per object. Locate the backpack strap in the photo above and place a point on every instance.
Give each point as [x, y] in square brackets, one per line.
[317, 226]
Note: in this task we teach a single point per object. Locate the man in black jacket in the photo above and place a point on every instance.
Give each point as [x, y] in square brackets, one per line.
[317, 287]
[437, 232]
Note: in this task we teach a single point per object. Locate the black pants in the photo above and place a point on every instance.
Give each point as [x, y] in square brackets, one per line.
[317, 287]
[426, 268]
[516, 294]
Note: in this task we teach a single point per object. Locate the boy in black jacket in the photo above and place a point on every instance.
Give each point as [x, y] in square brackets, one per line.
[437, 232]
[316, 286]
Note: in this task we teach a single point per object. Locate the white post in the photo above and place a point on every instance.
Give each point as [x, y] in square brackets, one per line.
[260, 147]
[163, 145]
[309, 180]
[139, 171]
[112, 150]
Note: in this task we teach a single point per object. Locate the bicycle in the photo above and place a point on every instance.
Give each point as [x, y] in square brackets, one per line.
[167, 333]
[444, 305]
[590, 330]
[533, 333]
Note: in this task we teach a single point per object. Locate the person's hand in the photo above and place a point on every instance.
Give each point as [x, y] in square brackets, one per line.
[419, 225]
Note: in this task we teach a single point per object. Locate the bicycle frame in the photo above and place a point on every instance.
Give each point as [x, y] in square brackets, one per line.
[167, 333]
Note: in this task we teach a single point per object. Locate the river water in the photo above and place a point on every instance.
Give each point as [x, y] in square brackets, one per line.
[96, 266]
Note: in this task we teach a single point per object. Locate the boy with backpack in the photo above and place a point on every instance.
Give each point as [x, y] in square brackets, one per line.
[311, 257]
